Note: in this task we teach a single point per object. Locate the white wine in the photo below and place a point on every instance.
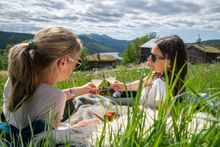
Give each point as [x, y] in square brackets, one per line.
[96, 82]
[110, 79]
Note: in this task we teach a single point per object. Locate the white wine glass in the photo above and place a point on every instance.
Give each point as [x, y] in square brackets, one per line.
[96, 78]
[96, 82]
[110, 76]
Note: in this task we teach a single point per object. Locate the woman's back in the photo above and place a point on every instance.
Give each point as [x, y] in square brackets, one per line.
[47, 103]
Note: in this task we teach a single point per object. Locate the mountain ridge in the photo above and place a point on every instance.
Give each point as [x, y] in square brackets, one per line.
[93, 42]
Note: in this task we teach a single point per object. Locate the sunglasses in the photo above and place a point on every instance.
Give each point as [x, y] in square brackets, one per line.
[78, 63]
[154, 58]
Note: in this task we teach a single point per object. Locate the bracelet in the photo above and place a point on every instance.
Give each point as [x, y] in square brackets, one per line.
[72, 92]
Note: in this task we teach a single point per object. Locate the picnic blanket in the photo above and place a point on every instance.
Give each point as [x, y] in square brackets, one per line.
[86, 105]
[84, 108]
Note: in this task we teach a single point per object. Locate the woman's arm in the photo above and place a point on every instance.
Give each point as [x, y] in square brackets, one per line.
[71, 92]
[132, 86]
[87, 122]
[76, 91]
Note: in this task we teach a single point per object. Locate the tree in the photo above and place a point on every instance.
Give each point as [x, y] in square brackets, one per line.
[3, 62]
[133, 51]
[6, 49]
[84, 61]
[3, 57]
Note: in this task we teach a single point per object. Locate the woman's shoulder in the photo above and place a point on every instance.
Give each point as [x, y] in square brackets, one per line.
[46, 90]
[159, 84]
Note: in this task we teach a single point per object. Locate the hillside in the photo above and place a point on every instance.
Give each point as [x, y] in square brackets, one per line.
[96, 46]
[215, 43]
[12, 38]
[111, 42]
[94, 42]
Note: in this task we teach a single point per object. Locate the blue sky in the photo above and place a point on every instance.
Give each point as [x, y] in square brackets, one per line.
[120, 19]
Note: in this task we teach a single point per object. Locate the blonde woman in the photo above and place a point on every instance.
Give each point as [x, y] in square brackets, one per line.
[34, 68]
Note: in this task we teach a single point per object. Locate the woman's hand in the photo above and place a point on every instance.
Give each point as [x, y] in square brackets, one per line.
[89, 88]
[119, 86]
[87, 122]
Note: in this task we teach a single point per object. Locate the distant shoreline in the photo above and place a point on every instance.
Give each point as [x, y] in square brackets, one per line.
[115, 54]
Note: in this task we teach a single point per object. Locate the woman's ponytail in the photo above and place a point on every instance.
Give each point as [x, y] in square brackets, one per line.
[22, 73]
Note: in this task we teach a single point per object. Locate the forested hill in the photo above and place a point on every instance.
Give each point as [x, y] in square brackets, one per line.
[103, 43]
[12, 38]
[94, 42]
[215, 43]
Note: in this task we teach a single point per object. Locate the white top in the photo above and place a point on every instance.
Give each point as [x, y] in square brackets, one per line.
[47, 103]
[156, 93]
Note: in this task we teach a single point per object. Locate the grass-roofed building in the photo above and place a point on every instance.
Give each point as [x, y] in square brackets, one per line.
[101, 61]
[199, 53]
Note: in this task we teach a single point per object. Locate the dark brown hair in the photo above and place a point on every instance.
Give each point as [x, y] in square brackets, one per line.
[174, 49]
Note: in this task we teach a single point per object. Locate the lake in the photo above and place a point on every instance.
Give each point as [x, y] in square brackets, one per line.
[115, 54]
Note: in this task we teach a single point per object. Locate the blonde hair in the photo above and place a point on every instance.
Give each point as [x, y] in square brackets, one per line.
[28, 60]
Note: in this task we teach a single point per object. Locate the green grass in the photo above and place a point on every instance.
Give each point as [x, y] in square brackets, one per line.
[205, 77]
[201, 78]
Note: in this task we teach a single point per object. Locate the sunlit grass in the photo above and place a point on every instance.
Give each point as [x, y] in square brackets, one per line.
[174, 124]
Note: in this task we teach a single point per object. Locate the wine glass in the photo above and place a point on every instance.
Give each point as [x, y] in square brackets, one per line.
[110, 76]
[96, 78]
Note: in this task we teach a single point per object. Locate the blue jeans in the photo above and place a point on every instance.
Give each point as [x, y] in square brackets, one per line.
[11, 133]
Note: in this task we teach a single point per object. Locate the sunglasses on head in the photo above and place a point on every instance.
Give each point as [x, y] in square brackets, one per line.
[154, 58]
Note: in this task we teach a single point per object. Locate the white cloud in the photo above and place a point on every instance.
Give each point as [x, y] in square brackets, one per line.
[113, 17]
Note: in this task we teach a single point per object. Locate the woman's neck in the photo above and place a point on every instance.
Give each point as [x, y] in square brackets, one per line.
[50, 82]
[48, 77]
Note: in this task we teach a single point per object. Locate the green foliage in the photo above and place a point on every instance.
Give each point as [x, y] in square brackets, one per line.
[171, 123]
[174, 124]
[204, 77]
[133, 50]
[3, 57]
[3, 62]
[7, 47]
[84, 61]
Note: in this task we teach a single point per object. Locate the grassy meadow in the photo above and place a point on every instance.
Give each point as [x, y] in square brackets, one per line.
[204, 78]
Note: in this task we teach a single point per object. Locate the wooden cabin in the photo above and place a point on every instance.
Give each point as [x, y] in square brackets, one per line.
[146, 50]
[101, 61]
[200, 53]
